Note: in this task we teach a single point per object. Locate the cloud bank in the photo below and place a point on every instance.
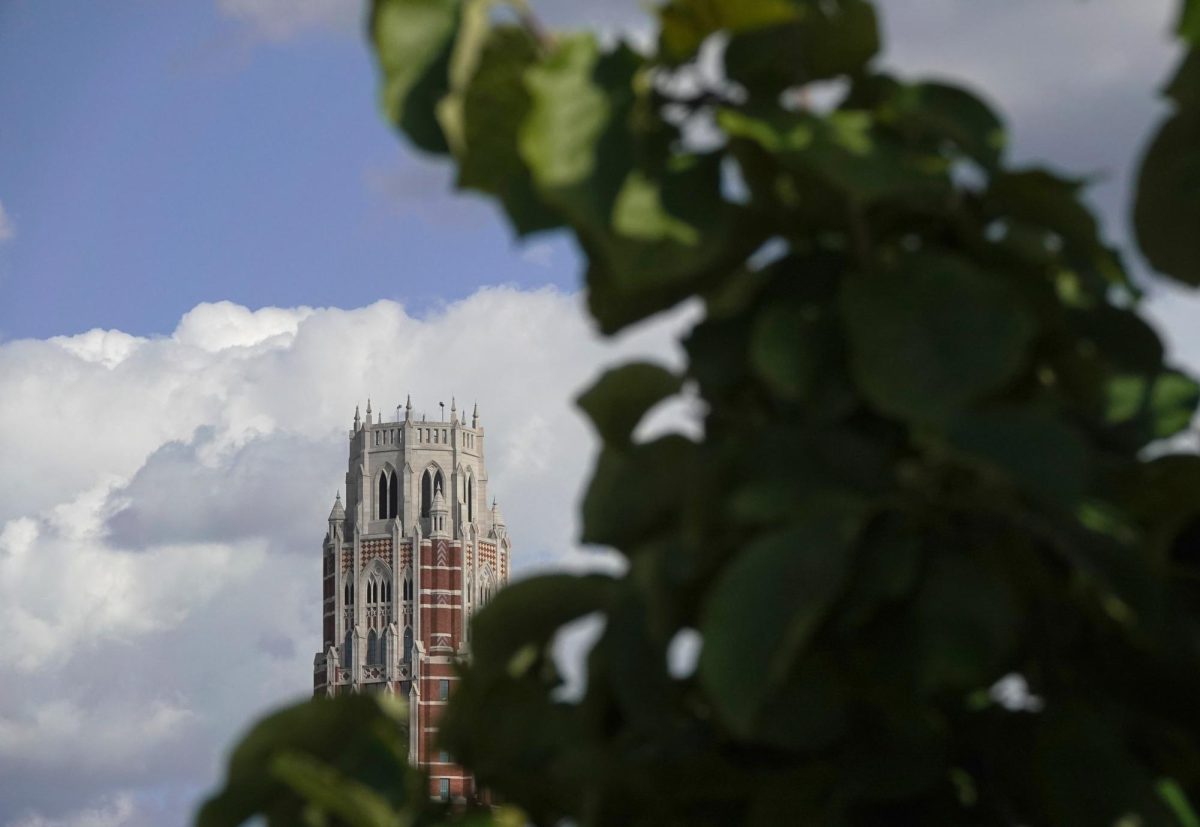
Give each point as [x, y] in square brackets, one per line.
[162, 504]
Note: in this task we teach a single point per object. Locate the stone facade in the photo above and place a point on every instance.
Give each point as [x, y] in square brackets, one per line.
[407, 560]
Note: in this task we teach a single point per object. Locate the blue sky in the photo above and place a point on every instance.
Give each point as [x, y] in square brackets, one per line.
[156, 155]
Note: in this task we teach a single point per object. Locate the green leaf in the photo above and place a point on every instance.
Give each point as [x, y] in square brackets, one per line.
[495, 104]
[529, 613]
[636, 492]
[1188, 27]
[791, 346]
[688, 23]
[670, 235]
[767, 604]
[622, 396]
[413, 41]
[1042, 454]
[1087, 774]
[1173, 401]
[1161, 407]
[364, 737]
[845, 150]
[823, 41]
[932, 335]
[332, 792]
[569, 114]
[1168, 199]
[940, 111]
[967, 623]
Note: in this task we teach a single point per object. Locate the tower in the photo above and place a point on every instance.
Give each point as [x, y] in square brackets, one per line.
[408, 558]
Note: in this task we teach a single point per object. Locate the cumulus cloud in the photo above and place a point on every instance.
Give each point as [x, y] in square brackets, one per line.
[283, 19]
[163, 503]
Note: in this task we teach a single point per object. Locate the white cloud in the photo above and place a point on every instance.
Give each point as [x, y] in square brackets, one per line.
[283, 19]
[163, 502]
[112, 811]
[7, 230]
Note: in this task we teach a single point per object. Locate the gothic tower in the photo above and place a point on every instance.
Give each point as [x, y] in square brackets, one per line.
[407, 561]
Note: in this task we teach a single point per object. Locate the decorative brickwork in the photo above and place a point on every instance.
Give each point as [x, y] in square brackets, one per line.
[396, 619]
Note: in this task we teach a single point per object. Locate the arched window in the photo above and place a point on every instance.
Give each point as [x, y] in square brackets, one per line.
[470, 499]
[349, 594]
[372, 647]
[348, 650]
[388, 495]
[408, 643]
[407, 588]
[426, 493]
[487, 587]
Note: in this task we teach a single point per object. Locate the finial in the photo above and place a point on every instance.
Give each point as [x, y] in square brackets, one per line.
[408, 409]
[357, 419]
[475, 416]
[368, 409]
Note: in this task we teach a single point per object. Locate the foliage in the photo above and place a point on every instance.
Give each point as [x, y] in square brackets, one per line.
[933, 456]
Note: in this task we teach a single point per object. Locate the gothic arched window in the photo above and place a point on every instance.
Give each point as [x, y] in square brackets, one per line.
[426, 493]
[348, 650]
[407, 588]
[470, 499]
[372, 647]
[387, 496]
[408, 643]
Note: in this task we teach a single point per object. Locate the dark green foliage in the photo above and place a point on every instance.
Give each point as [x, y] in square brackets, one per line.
[926, 462]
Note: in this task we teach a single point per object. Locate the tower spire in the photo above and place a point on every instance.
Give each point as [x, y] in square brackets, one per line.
[453, 411]
[408, 409]
[357, 421]
[475, 416]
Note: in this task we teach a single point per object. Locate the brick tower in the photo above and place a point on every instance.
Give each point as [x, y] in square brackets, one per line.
[407, 561]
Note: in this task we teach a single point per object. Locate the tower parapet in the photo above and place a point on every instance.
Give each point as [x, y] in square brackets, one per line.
[408, 558]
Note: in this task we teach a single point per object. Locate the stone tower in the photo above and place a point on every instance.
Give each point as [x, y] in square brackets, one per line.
[407, 560]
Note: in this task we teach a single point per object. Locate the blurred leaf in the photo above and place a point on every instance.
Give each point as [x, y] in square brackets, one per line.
[1168, 194]
[636, 492]
[413, 41]
[821, 42]
[334, 793]
[844, 149]
[932, 335]
[767, 604]
[363, 736]
[967, 622]
[529, 613]
[495, 104]
[790, 345]
[688, 23]
[622, 396]
[568, 115]
[1188, 27]
[944, 112]
[1087, 774]
[1037, 451]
